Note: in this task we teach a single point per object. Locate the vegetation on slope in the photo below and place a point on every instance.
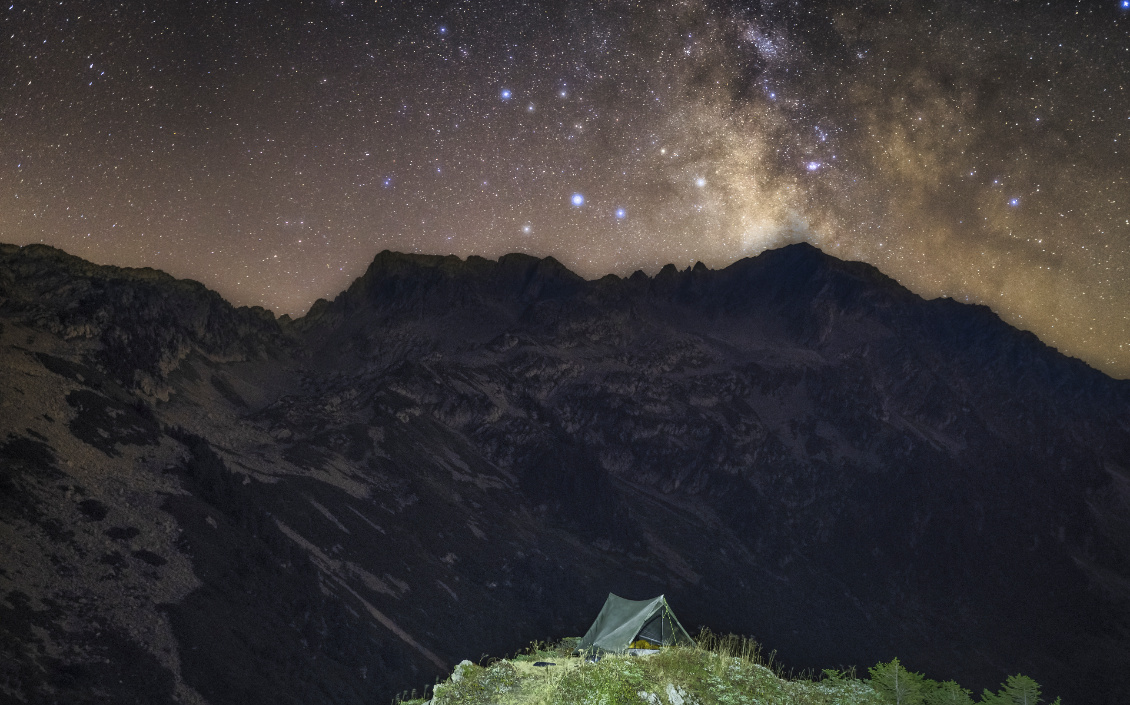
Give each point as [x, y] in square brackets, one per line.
[726, 670]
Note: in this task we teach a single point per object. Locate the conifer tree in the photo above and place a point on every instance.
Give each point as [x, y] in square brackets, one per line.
[988, 698]
[896, 684]
[1016, 690]
[1022, 690]
[948, 693]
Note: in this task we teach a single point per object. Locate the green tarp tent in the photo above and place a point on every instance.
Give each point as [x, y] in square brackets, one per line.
[622, 622]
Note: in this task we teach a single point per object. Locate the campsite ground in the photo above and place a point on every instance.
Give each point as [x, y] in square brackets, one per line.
[716, 670]
[672, 676]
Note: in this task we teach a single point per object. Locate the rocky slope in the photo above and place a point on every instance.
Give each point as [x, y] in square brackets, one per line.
[208, 504]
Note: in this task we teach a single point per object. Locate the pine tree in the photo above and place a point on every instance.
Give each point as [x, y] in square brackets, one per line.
[1016, 690]
[948, 693]
[987, 698]
[1021, 690]
[896, 684]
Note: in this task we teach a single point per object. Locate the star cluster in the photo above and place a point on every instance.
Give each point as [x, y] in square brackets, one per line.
[968, 149]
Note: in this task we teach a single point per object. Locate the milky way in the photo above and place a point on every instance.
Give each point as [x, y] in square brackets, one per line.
[269, 150]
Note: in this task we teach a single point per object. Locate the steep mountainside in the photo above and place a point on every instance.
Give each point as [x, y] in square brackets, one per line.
[206, 504]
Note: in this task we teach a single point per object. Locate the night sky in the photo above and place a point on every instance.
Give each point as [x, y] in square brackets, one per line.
[270, 149]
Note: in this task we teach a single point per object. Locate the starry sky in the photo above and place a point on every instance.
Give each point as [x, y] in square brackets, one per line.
[976, 150]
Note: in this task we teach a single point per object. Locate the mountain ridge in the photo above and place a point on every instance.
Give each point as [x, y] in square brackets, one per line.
[669, 279]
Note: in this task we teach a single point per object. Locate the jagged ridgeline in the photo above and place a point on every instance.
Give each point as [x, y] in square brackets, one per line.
[208, 504]
[715, 671]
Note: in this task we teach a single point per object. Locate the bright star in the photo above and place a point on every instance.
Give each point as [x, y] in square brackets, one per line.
[506, 94]
[621, 214]
[526, 229]
[812, 166]
[578, 200]
[700, 182]
[442, 29]
[1014, 202]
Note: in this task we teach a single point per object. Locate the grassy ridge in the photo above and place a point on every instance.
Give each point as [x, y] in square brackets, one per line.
[726, 670]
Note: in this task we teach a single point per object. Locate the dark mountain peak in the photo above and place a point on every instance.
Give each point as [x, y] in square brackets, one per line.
[799, 250]
[397, 279]
[388, 262]
[812, 298]
[477, 296]
[797, 276]
[515, 273]
[146, 320]
[36, 260]
[802, 268]
[537, 278]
